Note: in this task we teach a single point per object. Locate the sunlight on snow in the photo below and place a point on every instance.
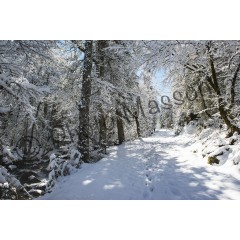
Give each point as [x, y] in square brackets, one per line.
[88, 181]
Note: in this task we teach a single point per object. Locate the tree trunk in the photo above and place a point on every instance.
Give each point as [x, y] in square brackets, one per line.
[204, 105]
[120, 127]
[103, 134]
[101, 44]
[137, 124]
[84, 106]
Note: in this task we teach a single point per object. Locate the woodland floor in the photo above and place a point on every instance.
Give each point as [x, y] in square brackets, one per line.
[162, 166]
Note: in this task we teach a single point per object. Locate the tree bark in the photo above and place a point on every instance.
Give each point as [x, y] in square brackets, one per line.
[120, 127]
[204, 105]
[137, 124]
[103, 134]
[84, 106]
[101, 44]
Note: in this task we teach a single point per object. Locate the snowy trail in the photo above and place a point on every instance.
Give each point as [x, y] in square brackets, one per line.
[162, 166]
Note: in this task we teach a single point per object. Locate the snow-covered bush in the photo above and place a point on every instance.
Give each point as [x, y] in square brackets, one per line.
[8, 185]
[8, 156]
[235, 156]
[58, 166]
[191, 128]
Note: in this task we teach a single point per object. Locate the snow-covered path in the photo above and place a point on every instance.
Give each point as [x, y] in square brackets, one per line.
[162, 166]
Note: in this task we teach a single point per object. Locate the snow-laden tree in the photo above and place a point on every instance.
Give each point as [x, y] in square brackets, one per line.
[20, 89]
[204, 76]
[110, 87]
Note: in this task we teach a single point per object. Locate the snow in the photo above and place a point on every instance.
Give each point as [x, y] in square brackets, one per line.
[2, 178]
[75, 156]
[39, 89]
[7, 151]
[162, 166]
[235, 156]
[4, 110]
[12, 167]
[6, 179]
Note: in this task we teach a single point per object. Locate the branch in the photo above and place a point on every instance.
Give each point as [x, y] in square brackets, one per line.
[75, 42]
[234, 79]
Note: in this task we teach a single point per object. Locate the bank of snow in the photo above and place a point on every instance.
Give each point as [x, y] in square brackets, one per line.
[162, 166]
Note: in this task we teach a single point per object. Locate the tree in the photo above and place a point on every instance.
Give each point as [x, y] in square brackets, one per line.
[84, 105]
[194, 64]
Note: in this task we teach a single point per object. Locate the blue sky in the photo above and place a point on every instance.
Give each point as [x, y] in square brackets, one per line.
[158, 84]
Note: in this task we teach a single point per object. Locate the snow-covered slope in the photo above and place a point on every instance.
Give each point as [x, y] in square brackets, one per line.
[162, 166]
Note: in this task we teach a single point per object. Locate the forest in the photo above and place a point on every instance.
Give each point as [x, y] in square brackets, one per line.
[67, 105]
